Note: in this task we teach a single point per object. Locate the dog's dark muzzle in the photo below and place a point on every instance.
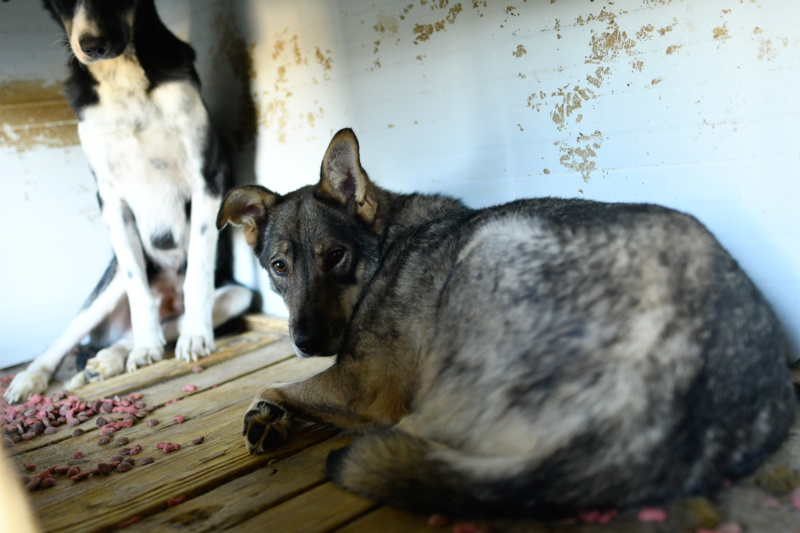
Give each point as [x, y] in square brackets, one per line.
[97, 48]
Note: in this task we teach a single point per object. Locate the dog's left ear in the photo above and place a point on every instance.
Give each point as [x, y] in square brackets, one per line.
[343, 180]
[247, 206]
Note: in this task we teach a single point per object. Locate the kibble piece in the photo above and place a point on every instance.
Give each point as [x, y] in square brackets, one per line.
[199, 440]
[77, 433]
[100, 422]
[122, 441]
[77, 455]
[81, 476]
[129, 522]
[197, 369]
[124, 466]
[172, 502]
[29, 466]
[179, 419]
[47, 483]
[61, 469]
[73, 471]
[33, 484]
[136, 449]
[103, 440]
[189, 388]
[124, 451]
[147, 460]
[104, 468]
[152, 422]
[73, 422]
[131, 460]
[50, 430]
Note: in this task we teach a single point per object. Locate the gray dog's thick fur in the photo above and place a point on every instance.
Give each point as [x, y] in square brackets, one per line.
[536, 357]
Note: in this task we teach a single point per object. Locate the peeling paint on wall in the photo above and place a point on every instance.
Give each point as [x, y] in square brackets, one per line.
[580, 157]
[35, 113]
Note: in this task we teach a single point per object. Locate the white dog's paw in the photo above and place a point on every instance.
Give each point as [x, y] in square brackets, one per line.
[192, 347]
[144, 356]
[25, 384]
[106, 364]
[77, 381]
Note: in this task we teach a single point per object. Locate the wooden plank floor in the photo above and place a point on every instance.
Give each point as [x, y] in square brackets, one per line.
[224, 487]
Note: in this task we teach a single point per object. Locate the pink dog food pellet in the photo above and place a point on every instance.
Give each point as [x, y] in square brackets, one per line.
[136, 396]
[199, 440]
[179, 419]
[796, 498]
[50, 430]
[73, 471]
[172, 502]
[136, 449]
[189, 388]
[438, 520]
[80, 476]
[29, 466]
[197, 369]
[598, 517]
[77, 455]
[652, 515]
[129, 522]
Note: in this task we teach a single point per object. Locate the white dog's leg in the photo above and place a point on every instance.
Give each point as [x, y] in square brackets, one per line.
[38, 374]
[148, 340]
[196, 329]
[229, 301]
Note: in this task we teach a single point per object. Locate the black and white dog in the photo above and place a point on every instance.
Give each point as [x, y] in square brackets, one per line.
[160, 176]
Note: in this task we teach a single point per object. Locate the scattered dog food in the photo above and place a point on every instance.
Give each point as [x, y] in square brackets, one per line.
[122, 441]
[152, 422]
[104, 468]
[77, 433]
[29, 466]
[172, 502]
[179, 419]
[77, 455]
[199, 440]
[129, 522]
[73, 471]
[136, 449]
[598, 517]
[103, 440]
[147, 460]
[189, 388]
[47, 483]
[33, 484]
[124, 466]
[80, 476]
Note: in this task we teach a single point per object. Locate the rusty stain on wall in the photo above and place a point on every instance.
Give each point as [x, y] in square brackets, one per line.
[580, 158]
[721, 33]
[520, 51]
[425, 31]
[288, 56]
[34, 113]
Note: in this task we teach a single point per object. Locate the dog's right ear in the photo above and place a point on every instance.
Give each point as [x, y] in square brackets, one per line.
[246, 206]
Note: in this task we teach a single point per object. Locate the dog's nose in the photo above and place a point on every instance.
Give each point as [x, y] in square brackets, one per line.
[308, 344]
[95, 47]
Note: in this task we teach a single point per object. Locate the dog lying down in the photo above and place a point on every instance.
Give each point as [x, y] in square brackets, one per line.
[531, 358]
[160, 176]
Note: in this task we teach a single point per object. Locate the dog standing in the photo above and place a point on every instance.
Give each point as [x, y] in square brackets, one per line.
[160, 176]
[536, 357]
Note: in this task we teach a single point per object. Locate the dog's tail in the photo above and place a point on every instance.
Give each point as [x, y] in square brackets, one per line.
[409, 472]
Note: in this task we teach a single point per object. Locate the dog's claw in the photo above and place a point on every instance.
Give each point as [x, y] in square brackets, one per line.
[192, 347]
[144, 356]
[266, 425]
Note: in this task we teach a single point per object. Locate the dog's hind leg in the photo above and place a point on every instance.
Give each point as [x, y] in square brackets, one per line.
[229, 301]
[36, 377]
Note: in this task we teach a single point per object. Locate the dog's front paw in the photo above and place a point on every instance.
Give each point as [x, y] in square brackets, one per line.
[191, 347]
[25, 384]
[266, 425]
[106, 364]
[144, 356]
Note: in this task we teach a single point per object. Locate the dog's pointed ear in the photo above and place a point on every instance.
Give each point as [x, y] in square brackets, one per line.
[343, 180]
[246, 206]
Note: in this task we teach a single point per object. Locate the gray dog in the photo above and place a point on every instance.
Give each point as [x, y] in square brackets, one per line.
[531, 358]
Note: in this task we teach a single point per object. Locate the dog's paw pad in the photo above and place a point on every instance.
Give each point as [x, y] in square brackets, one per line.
[24, 385]
[192, 347]
[266, 425]
[144, 356]
[106, 364]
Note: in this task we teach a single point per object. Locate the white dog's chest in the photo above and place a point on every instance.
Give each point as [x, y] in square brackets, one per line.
[146, 148]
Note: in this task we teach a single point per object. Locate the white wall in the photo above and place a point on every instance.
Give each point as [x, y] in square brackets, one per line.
[687, 104]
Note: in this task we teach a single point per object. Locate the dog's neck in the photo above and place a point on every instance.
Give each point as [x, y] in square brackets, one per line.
[119, 78]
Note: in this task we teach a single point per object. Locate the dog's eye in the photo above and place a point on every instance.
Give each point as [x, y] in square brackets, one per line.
[279, 267]
[333, 258]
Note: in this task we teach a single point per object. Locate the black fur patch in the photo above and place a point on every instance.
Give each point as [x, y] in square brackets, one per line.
[163, 241]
